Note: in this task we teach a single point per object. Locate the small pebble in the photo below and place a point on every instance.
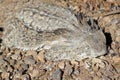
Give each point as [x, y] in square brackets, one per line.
[29, 60]
[5, 75]
[41, 57]
[61, 65]
[112, 52]
[35, 72]
[106, 78]
[31, 52]
[76, 72]
[16, 56]
[118, 38]
[56, 75]
[68, 70]
[25, 77]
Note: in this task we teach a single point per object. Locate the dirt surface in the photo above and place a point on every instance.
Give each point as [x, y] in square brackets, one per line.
[16, 64]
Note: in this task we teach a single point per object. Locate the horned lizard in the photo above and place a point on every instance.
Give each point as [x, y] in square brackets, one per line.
[53, 28]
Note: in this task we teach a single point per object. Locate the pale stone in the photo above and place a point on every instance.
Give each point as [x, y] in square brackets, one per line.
[29, 60]
[57, 30]
[74, 62]
[41, 57]
[61, 65]
[118, 38]
[118, 31]
[31, 52]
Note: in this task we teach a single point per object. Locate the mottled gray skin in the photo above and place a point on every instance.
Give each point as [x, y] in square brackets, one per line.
[55, 29]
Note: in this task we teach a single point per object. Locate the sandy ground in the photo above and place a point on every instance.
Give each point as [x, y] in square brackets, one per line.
[31, 65]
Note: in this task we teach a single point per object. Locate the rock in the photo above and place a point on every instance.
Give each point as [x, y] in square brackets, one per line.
[96, 78]
[61, 65]
[1, 1]
[2, 61]
[47, 66]
[112, 52]
[98, 62]
[108, 73]
[29, 60]
[17, 51]
[35, 73]
[119, 51]
[56, 75]
[17, 64]
[116, 60]
[61, 35]
[16, 56]
[111, 1]
[115, 46]
[76, 72]
[88, 66]
[118, 32]
[17, 76]
[89, 78]
[106, 78]
[74, 63]
[5, 75]
[68, 70]
[25, 77]
[24, 66]
[40, 56]
[2, 48]
[118, 38]
[99, 74]
[31, 52]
